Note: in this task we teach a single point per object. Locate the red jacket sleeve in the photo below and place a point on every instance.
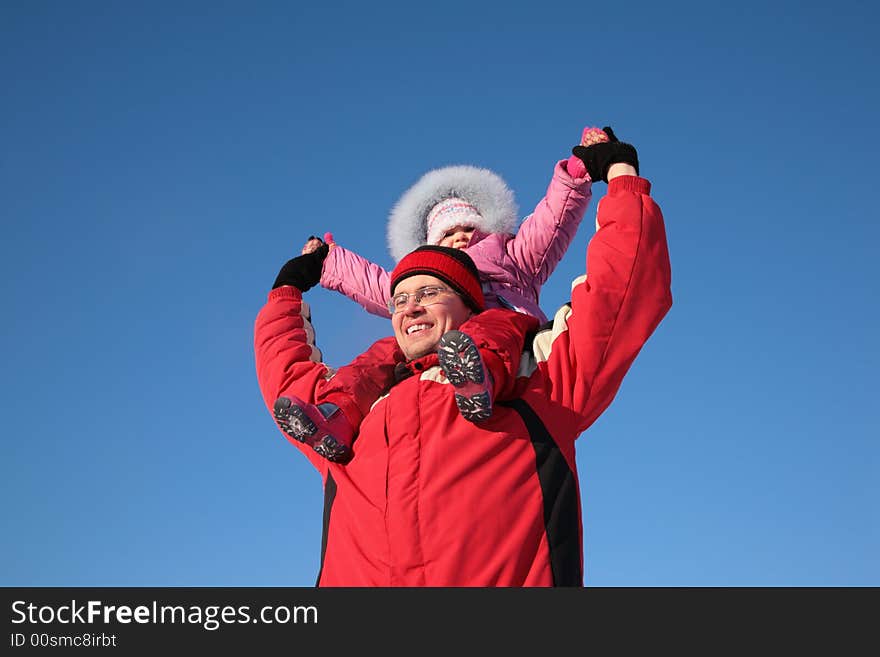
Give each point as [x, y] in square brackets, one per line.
[286, 357]
[614, 308]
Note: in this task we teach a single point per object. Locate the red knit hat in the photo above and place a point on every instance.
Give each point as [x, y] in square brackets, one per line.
[452, 266]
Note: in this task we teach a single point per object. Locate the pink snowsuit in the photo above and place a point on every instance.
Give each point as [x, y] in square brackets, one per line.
[512, 267]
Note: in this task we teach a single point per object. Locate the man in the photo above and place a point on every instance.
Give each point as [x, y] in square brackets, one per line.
[430, 499]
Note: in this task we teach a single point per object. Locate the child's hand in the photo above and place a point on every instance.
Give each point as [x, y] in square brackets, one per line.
[590, 136]
[593, 136]
[328, 239]
[575, 167]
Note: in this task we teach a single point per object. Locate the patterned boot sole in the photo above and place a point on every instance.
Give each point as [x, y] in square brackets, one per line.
[475, 408]
[299, 426]
[461, 363]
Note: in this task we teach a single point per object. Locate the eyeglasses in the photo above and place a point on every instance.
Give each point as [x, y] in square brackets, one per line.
[424, 296]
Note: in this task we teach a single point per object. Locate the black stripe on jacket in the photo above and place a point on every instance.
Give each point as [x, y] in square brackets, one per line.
[329, 496]
[559, 490]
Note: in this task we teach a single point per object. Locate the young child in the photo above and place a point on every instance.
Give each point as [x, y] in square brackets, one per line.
[466, 208]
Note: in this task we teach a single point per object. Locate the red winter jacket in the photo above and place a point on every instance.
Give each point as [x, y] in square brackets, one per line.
[430, 499]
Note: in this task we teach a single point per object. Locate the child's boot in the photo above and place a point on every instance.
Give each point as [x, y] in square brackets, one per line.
[324, 427]
[462, 364]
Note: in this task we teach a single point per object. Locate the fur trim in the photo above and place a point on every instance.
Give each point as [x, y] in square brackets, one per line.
[407, 223]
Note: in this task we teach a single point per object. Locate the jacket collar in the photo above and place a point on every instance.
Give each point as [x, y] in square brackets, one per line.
[411, 367]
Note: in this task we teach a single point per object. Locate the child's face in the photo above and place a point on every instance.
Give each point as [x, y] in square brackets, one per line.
[457, 237]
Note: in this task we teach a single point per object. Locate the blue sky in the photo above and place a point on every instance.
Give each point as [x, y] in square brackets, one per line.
[160, 161]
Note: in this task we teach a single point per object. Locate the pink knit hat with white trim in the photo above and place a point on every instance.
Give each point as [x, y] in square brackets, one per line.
[450, 213]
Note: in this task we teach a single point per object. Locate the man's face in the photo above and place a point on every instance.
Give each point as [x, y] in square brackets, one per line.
[417, 328]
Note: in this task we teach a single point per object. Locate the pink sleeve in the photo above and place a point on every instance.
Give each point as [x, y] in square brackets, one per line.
[543, 237]
[357, 278]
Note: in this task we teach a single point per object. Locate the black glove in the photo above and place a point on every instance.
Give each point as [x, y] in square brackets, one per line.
[598, 157]
[303, 272]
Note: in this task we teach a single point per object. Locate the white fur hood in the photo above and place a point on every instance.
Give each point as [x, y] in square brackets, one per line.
[482, 188]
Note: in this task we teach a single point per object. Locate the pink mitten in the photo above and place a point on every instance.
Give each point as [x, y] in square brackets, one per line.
[575, 167]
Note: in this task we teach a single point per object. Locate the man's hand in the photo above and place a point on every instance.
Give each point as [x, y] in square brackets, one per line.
[303, 271]
[314, 242]
[311, 244]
